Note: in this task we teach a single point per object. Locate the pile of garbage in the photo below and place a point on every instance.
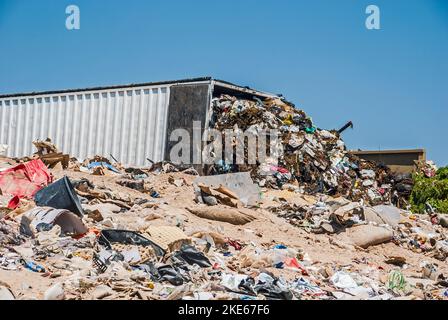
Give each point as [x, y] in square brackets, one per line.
[163, 232]
[318, 224]
[367, 226]
[311, 160]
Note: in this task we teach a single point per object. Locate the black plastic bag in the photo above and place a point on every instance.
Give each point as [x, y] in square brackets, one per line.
[190, 255]
[127, 237]
[247, 286]
[271, 290]
[168, 273]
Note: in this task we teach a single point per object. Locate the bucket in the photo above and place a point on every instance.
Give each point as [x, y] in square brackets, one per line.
[60, 195]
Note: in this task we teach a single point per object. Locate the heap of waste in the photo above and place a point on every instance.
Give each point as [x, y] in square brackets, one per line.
[310, 159]
[318, 225]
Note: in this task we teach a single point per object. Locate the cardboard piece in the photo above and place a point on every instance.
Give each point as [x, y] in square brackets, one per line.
[167, 237]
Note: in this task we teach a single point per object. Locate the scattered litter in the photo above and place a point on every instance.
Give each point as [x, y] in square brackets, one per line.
[318, 224]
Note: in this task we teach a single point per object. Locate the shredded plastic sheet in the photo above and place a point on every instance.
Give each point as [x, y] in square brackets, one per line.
[397, 282]
[24, 180]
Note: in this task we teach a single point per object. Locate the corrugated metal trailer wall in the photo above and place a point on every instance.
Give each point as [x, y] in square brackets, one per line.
[132, 123]
[129, 123]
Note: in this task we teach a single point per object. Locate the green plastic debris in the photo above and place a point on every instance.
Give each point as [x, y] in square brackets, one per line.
[310, 130]
[396, 282]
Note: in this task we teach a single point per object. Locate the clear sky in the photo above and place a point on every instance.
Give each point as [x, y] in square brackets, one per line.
[392, 83]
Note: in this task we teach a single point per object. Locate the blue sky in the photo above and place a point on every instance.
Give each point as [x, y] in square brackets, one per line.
[392, 83]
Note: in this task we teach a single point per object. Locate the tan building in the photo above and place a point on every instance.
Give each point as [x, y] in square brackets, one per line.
[402, 161]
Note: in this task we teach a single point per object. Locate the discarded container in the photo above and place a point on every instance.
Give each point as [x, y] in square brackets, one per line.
[39, 217]
[60, 195]
[131, 122]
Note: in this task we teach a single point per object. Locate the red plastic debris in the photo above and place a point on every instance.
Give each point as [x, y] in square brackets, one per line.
[293, 263]
[24, 180]
[14, 203]
[279, 169]
[234, 244]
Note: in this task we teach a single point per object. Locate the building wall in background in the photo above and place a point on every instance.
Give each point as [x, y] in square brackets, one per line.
[402, 161]
[128, 123]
